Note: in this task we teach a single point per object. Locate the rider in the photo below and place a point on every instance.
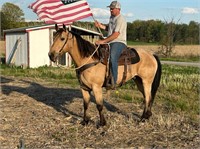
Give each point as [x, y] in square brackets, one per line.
[116, 36]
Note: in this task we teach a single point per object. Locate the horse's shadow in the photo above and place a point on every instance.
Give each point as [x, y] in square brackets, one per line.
[54, 97]
[57, 98]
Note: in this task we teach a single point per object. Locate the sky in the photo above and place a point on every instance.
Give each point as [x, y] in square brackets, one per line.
[181, 11]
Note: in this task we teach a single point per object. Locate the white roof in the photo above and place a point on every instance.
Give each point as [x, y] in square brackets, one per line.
[81, 30]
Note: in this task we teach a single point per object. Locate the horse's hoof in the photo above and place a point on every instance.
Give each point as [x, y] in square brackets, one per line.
[101, 124]
[143, 120]
[84, 123]
[146, 116]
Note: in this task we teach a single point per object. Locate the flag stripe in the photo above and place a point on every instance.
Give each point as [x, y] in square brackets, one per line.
[70, 10]
[67, 18]
[41, 4]
[67, 21]
[62, 14]
[54, 11]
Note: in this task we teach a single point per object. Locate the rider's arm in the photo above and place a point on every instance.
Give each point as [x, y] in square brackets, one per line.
[111, 37]
[102, 26]
[108, 39]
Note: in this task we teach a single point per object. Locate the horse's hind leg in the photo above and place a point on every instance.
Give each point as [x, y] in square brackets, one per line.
[139, 84]
[145, 89]
[148, 101]
[86, 101]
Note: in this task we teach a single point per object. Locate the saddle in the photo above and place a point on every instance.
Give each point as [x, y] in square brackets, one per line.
[128, 56]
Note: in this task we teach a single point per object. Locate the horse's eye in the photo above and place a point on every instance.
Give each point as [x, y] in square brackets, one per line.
[62, 38]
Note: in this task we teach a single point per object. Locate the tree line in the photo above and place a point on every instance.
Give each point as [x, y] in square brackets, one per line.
[151, 31]
[157, 31]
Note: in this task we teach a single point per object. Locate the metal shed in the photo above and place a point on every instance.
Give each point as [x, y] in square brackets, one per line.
[29, 47]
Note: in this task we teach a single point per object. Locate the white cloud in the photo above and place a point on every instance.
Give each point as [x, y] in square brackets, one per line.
[101, 13]
[128, 15]
[188, 10]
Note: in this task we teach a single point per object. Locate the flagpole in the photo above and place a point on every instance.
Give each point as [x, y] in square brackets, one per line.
[97, 26]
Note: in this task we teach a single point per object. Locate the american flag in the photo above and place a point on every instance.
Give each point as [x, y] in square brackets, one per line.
[61, 11]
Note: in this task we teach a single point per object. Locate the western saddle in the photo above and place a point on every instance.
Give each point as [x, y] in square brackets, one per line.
[128, 56]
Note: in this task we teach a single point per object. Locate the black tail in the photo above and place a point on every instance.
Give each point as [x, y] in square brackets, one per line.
[156, 81]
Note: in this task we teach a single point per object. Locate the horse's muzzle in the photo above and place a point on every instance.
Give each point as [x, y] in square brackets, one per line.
[52, 57]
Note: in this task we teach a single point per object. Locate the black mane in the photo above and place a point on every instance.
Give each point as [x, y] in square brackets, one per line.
[86, 48]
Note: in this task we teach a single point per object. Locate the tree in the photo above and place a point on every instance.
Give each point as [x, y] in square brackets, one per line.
[168, 40]
[11, 16]
[193, 33]
[153, 30]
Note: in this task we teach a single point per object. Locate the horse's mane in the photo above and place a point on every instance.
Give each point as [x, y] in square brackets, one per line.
[86, 48]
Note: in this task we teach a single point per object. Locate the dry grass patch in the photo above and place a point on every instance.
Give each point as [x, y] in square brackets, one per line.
[180, 50]
[2, 48]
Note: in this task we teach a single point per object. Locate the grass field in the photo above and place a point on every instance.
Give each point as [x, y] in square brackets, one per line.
[180, 50]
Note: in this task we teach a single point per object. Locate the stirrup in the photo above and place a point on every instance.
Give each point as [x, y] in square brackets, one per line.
[111, 86]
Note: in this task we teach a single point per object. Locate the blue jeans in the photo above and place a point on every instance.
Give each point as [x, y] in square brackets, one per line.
[115, 52]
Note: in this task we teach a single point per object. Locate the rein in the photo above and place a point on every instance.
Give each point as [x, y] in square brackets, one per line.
[88, 58]
[83, 66]
[60, 66]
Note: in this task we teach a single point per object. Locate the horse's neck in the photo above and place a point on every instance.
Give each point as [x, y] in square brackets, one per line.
[76, 56]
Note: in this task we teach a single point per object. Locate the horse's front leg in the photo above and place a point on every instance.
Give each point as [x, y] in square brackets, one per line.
[86, 101]
[99, 102]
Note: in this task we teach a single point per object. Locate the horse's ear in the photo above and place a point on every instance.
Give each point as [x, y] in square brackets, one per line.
[56, 27]
[64, 27]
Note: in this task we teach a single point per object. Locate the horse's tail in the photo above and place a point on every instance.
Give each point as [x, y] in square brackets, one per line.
[156, 81]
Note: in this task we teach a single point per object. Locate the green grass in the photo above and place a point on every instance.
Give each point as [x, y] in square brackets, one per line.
[182, 87]
[178, 91]
[57, 75]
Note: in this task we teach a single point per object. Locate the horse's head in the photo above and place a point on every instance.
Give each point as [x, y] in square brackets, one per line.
[60, 43]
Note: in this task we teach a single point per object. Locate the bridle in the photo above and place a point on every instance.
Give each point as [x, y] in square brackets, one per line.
[60, 51]
[86, 63]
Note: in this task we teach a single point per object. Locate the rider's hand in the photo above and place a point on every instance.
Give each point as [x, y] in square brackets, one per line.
[97, 24]
[98, 42]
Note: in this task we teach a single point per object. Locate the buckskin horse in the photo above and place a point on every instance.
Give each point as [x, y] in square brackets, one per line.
[91, 72]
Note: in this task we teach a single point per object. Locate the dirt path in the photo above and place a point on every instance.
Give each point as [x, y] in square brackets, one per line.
[42, 114]
[181, 63]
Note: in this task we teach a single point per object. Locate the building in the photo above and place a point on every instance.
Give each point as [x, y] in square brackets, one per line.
[29, 47]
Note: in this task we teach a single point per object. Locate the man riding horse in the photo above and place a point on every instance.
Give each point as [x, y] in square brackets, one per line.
[116, 37]
[146, 72]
